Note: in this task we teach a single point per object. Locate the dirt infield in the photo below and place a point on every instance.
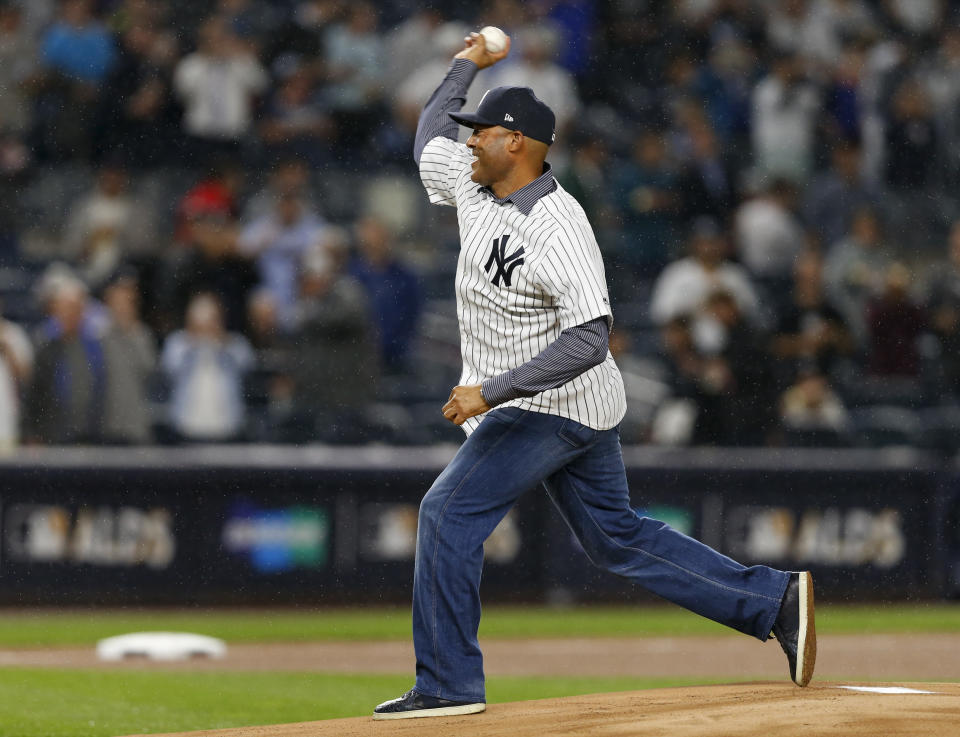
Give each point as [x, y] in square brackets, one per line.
[749, 710]
[869, 657]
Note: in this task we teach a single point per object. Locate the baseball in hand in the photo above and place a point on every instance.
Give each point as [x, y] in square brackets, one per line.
[494, 38]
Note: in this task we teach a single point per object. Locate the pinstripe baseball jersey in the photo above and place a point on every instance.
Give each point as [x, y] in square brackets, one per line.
[523, 278]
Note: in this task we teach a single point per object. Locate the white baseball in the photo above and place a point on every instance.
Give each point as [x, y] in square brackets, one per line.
[495, 39]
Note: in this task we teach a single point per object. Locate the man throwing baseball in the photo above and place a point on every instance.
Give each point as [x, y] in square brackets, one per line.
[541, 400]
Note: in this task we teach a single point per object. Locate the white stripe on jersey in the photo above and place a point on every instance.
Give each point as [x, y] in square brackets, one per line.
[521, 281]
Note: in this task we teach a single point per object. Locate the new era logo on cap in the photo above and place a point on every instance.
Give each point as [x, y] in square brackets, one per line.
[516, 108]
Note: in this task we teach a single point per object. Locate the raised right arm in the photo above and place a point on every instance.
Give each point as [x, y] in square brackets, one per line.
[449, 97]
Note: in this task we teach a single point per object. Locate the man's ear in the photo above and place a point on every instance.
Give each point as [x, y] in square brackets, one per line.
[515, 142]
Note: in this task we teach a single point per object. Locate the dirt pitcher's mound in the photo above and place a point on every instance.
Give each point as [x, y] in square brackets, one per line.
[744, 710]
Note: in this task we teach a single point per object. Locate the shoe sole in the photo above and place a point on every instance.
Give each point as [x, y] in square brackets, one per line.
[807, 640]
[442, 711]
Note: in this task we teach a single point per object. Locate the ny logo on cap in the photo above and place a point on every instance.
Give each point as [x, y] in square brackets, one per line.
[505, 264]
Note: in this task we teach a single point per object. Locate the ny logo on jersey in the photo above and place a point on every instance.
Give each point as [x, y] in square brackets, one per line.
[505, 264]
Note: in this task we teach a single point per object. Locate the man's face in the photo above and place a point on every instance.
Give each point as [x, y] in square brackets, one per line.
[488, 143]
[708, 249]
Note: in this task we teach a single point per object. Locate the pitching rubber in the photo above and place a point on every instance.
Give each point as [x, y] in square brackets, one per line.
[807, 641]
[445, 711]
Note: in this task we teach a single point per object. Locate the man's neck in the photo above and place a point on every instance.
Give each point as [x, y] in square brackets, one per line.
[518, 178]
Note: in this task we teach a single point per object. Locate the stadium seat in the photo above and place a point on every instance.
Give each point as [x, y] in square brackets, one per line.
[940, 429]
[886, 425]
[816, 438]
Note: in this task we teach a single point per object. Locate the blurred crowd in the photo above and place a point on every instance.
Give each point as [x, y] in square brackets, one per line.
[212, 230]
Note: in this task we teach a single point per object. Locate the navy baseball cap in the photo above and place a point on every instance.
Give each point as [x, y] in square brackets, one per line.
[516, 108]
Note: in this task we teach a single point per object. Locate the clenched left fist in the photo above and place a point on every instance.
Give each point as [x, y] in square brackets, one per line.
[465, 402]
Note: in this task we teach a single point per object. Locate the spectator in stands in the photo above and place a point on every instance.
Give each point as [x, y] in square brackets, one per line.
[943, 306]
[835, 195]
[18, 61]
[855, 271]
[288, 176]
[277, 242]
[209, 262]
[785, 25]
[707, 183]
[215, 195]
[206, 365]
[919, 19]
[354, 59]
[785, 111]
[587, 178]
[648, 199]
[693, 414]
[741, 373]
[130, 358]
[335, 367]
[252, 21]
[911, 139]
[682, 287]
[77, 54]
[940, 76]
[295, 122]
[830, 22]
[16, 368]
[810, 329]
[725, 84]
[811, 406]
[218, 84]
[768, 235]
[65, 401]
[269, 386]
[392, 289]
[78, 46]
[107, 228]
[843, 98]
[49, 285]
[895, 323]
[140, 119]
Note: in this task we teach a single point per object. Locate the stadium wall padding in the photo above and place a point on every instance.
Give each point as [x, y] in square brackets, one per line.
[232, 525]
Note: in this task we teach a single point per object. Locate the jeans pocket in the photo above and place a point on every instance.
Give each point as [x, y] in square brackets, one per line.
[576, 434]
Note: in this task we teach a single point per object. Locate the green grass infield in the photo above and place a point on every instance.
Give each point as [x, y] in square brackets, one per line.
[90, 703]
[32, 628]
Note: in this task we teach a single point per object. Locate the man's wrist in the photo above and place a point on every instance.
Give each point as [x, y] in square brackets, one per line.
[498, 390]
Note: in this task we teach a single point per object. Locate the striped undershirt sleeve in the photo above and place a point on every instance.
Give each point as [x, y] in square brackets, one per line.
[449, 97]
[576, 350]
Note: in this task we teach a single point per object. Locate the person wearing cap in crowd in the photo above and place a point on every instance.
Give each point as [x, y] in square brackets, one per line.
[541, 400]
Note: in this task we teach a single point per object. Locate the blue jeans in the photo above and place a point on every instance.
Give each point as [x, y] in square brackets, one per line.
[582, 469]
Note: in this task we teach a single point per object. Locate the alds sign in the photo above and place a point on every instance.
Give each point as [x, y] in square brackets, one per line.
[830, 536]
[101, 536]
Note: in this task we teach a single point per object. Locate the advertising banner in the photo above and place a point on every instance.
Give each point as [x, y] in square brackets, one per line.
[324, 533]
